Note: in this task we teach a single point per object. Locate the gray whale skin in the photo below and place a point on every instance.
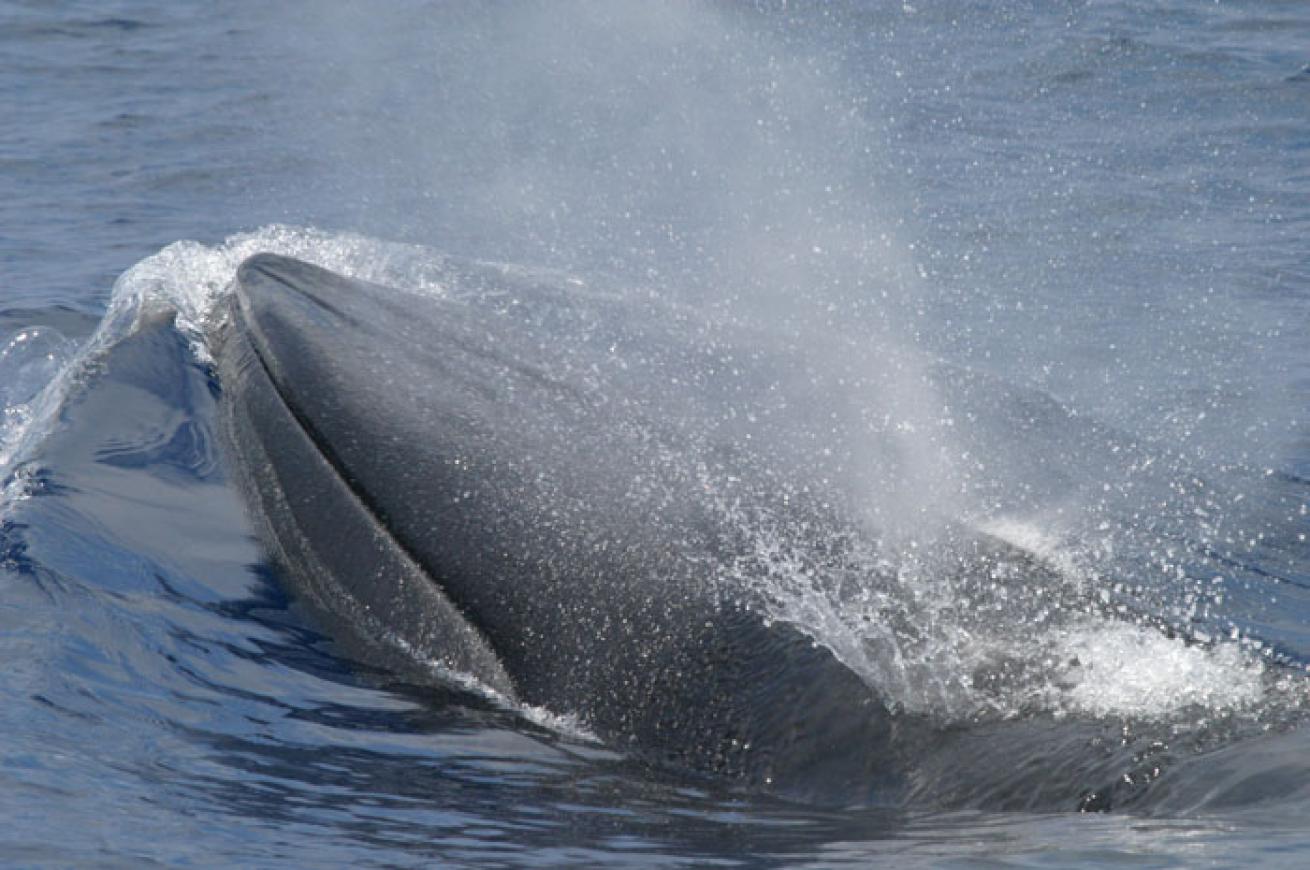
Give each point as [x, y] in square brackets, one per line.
[501, 484]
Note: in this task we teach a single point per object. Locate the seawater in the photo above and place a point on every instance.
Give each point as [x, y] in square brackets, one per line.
[1102, 207]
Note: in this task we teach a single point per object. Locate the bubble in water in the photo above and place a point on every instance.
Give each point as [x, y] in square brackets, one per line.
[29, 360]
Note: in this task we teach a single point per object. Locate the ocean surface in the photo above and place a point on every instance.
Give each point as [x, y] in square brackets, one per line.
[1085, 223]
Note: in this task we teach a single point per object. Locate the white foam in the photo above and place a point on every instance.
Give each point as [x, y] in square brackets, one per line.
[1114, 667]
[1129, 670]
[193, 278]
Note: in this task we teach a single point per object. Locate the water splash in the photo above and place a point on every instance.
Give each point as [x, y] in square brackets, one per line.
[947, 607]
[32, 358]
[995, 620]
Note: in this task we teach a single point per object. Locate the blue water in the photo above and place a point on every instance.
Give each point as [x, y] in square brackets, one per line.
[1102, 205]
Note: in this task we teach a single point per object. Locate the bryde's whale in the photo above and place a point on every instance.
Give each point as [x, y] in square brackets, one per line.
[428, 468]
[550, 489]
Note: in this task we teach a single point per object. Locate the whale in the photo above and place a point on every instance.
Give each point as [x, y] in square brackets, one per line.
[560, 494]
[431, 471]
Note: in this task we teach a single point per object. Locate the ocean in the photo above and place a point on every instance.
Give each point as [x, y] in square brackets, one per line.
[1062, 246]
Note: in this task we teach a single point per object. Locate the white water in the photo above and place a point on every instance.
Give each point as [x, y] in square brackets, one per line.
[961, 645]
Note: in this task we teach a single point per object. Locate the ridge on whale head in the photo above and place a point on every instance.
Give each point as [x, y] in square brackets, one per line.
[548, 489]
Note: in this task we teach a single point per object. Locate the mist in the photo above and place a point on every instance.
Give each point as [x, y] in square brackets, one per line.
[709, 150]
